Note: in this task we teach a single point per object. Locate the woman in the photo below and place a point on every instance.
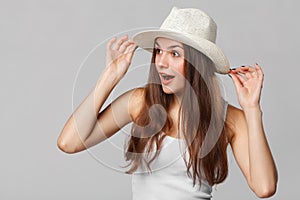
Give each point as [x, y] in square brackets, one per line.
[181, 102]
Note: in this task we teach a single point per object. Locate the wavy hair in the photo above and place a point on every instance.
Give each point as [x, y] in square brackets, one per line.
[203, 128]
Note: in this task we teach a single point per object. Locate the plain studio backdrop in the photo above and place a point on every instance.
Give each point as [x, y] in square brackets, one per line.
[52, 53]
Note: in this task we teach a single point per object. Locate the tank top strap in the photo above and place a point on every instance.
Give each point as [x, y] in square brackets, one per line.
[225, 109]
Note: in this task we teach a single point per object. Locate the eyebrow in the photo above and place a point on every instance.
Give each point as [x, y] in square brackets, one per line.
[170, 47]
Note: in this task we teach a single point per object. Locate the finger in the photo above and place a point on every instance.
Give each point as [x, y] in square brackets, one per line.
[239, 75]
[120, 42]
[130, 47]
[241, 78]
[238, 70]
[110, 43]
[245, 69]
[259, 71]
[236, 81]
[248, 71]
[252, 72]
[125, 45]
[250, 75]
[131, 50]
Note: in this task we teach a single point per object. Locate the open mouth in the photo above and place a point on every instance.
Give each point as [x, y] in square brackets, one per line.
[167, 77]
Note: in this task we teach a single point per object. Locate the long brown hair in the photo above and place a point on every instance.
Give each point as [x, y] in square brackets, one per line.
[203, 127]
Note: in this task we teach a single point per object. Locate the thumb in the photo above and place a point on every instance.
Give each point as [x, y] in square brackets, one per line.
[237, 83]
[131, 50]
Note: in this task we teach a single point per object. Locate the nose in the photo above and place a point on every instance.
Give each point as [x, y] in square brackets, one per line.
[162, 59]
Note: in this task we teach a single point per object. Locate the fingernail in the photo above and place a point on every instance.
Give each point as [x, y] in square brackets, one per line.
[233, 69]
[256, 63]
[243, 66]
[229, 75]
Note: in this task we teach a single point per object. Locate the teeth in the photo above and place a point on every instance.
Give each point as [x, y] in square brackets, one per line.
[167, 77]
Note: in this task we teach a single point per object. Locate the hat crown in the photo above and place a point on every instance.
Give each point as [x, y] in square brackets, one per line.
[191, 27]
[192, 22]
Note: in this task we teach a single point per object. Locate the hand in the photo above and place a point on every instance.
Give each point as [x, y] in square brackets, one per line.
[248, 83]
[119, 55]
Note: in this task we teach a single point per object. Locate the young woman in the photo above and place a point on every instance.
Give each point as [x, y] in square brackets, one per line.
[181, 102]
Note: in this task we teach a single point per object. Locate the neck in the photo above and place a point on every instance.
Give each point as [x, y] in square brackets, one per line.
[178, 99]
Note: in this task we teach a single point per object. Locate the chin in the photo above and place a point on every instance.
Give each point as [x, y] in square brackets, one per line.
[167, 90]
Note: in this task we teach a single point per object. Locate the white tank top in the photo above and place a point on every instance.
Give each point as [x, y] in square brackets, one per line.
[169, 179]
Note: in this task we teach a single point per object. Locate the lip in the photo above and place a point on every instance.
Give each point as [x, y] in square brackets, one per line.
[163, 81]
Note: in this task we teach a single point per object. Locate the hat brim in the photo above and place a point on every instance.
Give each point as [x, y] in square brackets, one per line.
[145, 40]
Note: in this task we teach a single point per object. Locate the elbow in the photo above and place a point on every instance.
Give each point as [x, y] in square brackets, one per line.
[264, 187]
[65, 147]
[266, 191]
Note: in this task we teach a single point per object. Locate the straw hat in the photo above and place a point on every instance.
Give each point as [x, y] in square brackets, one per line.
[192, 27]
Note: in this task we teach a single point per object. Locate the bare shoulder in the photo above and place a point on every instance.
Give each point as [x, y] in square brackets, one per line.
[136, 102]
[235, 121]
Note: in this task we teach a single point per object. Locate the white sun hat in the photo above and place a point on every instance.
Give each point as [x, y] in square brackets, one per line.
[192, 27]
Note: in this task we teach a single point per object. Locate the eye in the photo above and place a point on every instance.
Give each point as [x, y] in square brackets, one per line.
[175, 54]
[157, 50]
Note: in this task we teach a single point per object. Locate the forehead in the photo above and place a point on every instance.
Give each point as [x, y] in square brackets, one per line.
[166, 42]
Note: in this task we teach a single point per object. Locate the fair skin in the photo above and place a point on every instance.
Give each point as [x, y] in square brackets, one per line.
[87, 126]
[169, 60]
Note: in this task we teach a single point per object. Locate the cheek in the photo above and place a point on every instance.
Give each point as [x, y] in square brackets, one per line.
[180, 68]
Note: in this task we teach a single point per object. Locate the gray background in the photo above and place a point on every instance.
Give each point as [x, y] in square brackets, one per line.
[43, 45]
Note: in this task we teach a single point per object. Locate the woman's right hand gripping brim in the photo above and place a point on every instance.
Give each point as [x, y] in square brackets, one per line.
[119, 54]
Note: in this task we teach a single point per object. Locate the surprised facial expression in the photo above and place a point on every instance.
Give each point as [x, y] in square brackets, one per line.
[169, 62]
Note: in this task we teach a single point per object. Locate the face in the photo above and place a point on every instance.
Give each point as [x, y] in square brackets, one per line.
[169, 62]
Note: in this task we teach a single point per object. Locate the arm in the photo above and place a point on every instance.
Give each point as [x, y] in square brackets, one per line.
[86, 126]
[248, 140]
